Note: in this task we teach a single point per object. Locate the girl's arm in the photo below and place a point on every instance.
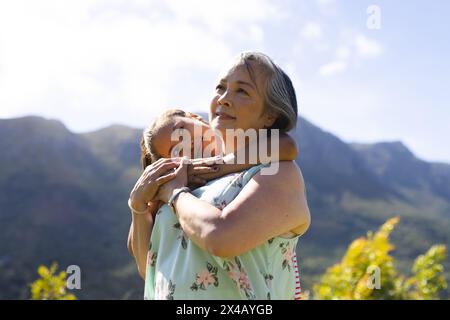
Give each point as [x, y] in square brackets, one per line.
[287, 151]
[139, 236]
[142, 198]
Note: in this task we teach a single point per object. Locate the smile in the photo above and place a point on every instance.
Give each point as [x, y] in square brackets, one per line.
[224, 116]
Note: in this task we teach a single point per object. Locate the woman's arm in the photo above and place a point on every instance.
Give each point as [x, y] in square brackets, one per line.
[267, 206]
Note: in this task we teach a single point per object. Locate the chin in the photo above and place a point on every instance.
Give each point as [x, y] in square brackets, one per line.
[222, 125]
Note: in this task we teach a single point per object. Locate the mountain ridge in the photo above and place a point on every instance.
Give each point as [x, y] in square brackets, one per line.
[63, 197]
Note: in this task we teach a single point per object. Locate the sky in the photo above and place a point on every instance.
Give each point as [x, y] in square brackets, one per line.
[366, 71]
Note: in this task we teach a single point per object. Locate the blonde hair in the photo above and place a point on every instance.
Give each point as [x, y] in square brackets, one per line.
[148, 152]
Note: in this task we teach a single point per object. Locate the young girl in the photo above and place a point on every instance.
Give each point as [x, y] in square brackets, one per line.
[156, 143]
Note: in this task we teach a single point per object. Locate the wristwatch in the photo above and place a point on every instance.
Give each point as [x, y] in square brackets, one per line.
[175, 194]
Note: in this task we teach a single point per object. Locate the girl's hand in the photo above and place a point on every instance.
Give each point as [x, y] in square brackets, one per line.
[206, 169]
[201, 170]
[147, 185]
[179, 181]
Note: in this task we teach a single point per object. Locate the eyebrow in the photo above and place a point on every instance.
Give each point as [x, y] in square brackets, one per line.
[247, 83]
[241, 82]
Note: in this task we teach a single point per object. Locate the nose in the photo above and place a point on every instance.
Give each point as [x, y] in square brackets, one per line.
[224, 99]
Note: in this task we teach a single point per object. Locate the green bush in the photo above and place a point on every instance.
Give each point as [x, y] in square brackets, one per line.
[367, 271]
[50, 286]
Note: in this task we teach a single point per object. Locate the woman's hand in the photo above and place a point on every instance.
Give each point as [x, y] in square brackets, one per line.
[179, 181]
[156, 174]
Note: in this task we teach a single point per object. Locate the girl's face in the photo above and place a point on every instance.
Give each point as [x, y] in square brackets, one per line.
[196, 128]
[238, 102]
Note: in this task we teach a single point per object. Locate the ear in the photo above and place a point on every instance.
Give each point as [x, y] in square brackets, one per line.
[269, 119]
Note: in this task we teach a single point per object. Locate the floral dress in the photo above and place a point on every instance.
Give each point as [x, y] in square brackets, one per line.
[178, 269]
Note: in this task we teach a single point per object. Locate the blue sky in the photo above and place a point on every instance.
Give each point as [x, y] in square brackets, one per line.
[93, 63]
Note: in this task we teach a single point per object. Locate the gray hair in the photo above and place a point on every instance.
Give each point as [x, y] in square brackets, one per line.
[278, 92]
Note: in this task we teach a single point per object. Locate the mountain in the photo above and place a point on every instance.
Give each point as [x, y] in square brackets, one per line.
[63, 198]
[398, 167]
[353, 188]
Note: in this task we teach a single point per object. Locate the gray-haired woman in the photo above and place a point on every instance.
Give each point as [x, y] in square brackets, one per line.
[235, 237]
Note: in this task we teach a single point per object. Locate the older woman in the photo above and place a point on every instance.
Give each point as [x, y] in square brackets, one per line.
[235, 237]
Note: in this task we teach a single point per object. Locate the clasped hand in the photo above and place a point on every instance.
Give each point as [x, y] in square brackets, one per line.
[159, 179]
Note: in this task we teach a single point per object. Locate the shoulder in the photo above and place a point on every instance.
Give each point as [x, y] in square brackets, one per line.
[283, 175]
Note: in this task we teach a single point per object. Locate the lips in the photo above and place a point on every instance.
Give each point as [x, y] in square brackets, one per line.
[224, 116]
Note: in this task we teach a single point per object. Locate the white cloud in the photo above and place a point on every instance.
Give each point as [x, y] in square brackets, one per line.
[311, 30]
[367, 48]
[90, 63]
[332, 68]
[340, 64]
[221, 16]
[352, 47]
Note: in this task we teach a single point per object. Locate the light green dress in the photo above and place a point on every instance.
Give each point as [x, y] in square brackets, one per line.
[178, 269]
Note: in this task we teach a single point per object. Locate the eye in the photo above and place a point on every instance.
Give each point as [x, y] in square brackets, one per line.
[176, 151]
[220, 87]
[240, 90]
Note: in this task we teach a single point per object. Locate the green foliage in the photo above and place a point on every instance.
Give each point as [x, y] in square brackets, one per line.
[428, 274]
[50, 286]
[367, 271]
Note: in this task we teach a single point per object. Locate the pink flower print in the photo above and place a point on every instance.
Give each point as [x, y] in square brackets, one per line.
[235, 275]
[243, 280]
[205, 278]
[289, 254]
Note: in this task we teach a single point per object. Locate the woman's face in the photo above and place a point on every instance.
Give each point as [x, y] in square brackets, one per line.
[197, 129]
[238, 103]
